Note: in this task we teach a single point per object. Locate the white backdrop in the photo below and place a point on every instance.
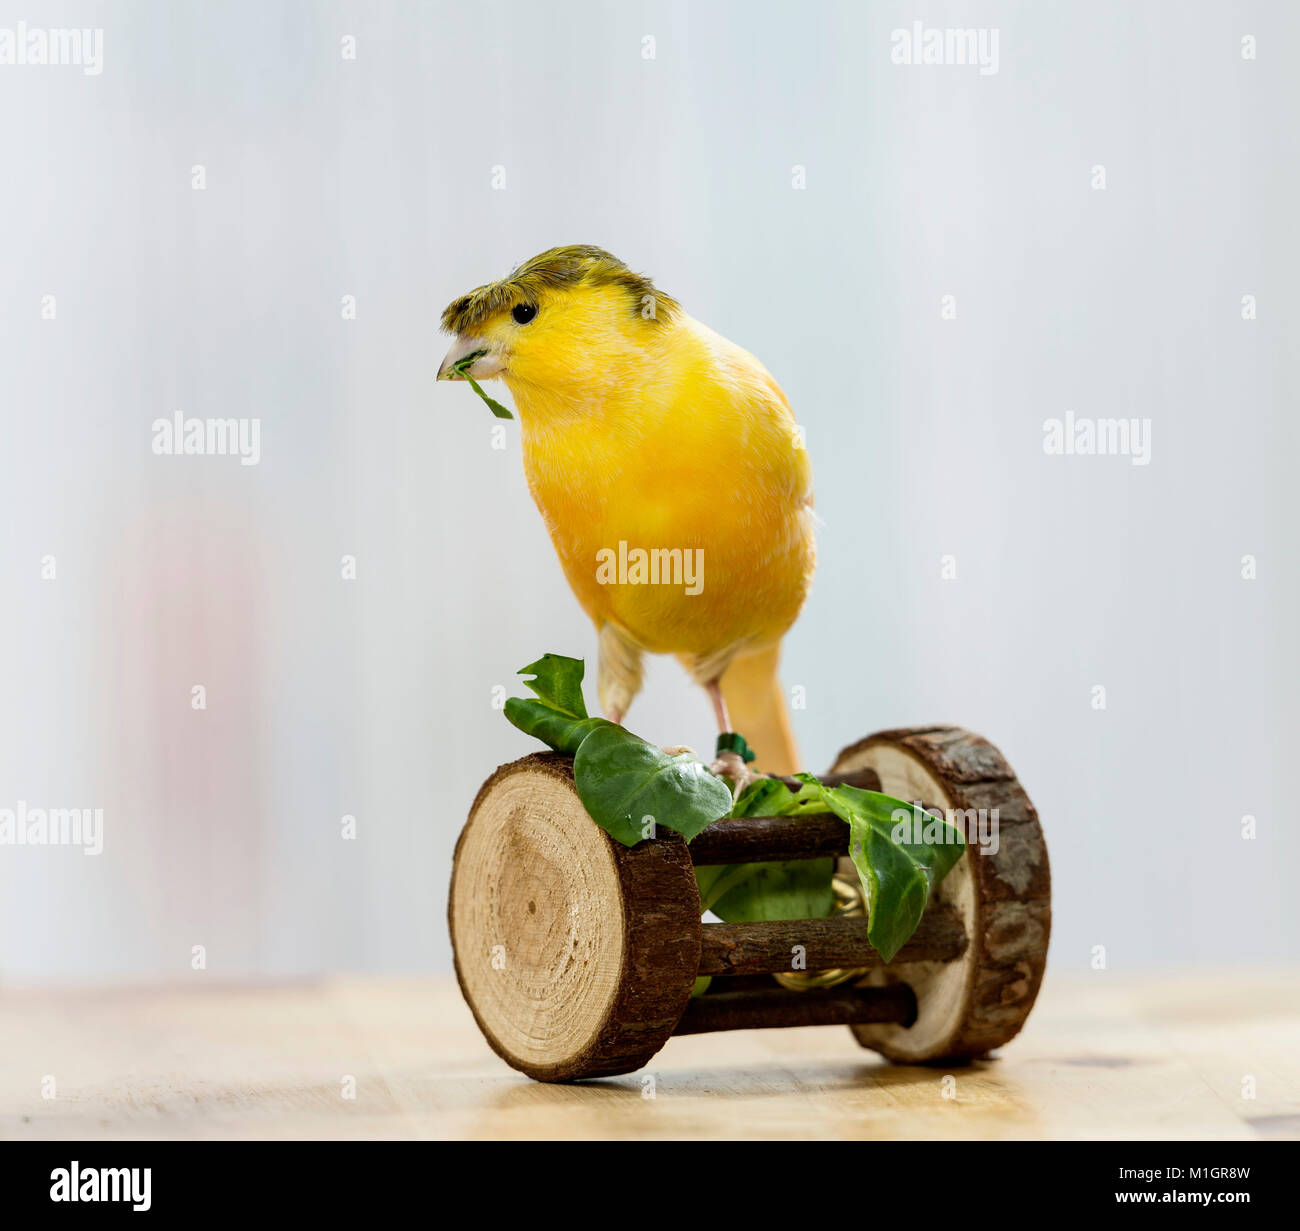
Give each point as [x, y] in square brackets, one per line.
[373, 177]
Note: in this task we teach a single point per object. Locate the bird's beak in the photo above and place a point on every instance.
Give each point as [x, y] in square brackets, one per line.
[486, 360]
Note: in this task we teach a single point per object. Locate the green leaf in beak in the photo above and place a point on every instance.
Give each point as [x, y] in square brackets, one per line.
[462, 369]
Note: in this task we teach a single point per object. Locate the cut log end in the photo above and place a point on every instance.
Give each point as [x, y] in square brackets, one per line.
[576, 954]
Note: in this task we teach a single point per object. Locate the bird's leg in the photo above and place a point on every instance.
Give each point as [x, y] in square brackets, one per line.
[728, 765]
[618, 677]
[618, 672]
[714, 689]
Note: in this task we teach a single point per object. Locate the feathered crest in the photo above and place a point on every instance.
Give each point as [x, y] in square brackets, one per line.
[576, 265]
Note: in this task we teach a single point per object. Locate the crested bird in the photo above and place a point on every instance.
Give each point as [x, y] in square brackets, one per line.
[644, 431]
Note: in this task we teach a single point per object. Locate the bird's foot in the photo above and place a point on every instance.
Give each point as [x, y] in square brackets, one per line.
[732, 767]
[675, 750]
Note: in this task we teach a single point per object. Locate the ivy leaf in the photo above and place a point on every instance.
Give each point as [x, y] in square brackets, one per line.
[553, 727]
[746, 892]
[901, 854]
[558, 717]
[898, 865]
[771, 797]
[557, 680]
[798, 889]
[622, 779]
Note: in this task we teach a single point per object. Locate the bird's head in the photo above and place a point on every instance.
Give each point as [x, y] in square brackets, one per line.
[566, 323]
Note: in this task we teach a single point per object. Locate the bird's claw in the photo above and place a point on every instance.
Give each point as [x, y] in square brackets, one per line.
[732, 767]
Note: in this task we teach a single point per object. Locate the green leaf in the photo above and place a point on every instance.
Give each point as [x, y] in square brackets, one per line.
[557, 680]
[553, 727]
[559, 715]
[715, 880]
[898, 873]
[799, 889]
[746, 892]
[462, 369]
[771, 797]
[622, 780]
[760, 797]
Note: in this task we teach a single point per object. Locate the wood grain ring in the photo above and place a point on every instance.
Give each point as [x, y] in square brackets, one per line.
[576, 954]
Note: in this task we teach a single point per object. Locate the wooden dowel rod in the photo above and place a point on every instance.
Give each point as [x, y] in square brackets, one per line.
[768, 947]
[765, 839]
[772, 839]
[776, 1007]
[863, 779]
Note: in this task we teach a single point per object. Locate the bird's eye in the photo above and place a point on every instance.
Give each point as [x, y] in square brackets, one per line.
[523, 312]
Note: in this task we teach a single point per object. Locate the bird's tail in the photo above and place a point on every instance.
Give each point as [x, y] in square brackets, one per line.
[757, 708]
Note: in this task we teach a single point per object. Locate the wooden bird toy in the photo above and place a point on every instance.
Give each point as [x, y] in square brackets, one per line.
[578, 954]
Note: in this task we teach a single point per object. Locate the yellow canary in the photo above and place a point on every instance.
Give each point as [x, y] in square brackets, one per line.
[670, 473]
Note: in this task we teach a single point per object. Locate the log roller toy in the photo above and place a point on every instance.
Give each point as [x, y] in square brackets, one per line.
[578, 955]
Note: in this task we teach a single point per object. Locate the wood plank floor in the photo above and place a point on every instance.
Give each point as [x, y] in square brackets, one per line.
[1101, 1057]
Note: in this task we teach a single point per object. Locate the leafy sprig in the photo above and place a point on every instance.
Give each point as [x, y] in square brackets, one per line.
[898, 875]
[629, 786]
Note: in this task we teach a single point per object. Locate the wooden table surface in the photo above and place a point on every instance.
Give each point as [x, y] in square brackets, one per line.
[1102, 1056]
